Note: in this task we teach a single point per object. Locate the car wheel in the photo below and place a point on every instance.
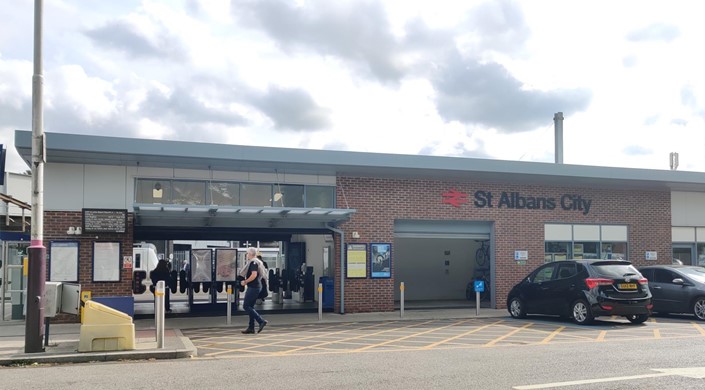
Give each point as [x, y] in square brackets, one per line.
[581, 313]
[637, 318]
[699, 308]
[516, 308]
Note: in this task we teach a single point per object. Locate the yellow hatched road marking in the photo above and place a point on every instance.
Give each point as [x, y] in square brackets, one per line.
[408, 336]
[352, 338]
[552, 335]
[601, 336]
[517, 330]
[699, 328]
[278, 342]
[461, 335]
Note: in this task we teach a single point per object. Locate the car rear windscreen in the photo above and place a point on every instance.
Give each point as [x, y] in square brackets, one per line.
[616, 271]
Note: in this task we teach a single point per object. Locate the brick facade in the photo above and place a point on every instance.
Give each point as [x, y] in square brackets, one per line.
[55, 225]
[379, 202]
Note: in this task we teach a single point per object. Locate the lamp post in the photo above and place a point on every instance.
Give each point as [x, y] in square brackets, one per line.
[34, 332]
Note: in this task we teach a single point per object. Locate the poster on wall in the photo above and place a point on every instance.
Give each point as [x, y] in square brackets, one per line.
[381, 260]
[356, 261]
[201, 267]
[106, 261]
[225, 265]
[63, 261]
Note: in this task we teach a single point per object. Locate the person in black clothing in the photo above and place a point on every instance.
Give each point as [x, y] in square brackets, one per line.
[252, 277]
[161, 272]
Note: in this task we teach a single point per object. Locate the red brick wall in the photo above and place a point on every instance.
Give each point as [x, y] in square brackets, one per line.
[380, 201]
[55, 225]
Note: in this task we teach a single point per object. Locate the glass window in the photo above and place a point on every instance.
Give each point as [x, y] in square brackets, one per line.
[701, 254]
[225, 194]
[695, 273]
[648, 274]
[557, 251]
[152, 191]
[291, 196]
[664, 276]
[188, 192]
[543, 274]
[585, 250]
[613, 270]
[255, 195]
[567, 270]
[614, 251]
[320, 196]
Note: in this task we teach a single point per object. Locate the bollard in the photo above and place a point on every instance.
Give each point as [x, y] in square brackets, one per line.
[401, 288]
[159, 312]
[228, 319]
[477, 303]
[320, 301]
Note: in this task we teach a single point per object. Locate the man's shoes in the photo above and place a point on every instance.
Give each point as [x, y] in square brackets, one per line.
[262, 325]
[250, 331]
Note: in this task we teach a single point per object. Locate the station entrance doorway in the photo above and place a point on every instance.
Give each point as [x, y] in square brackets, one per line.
[438, 261]
[202, 271]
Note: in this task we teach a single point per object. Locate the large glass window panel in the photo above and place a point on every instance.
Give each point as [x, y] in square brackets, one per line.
[225, 194]
[188, 192]
[614, 250]
[555, 251]
[586, 250]
[291, 196]
[320, 196]
[255, 195]
[701, 254]
[152, 191]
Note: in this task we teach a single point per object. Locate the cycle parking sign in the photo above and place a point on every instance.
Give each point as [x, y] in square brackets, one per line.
[479, 286]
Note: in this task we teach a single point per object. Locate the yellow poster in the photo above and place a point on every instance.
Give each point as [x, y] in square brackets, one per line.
[357, 260]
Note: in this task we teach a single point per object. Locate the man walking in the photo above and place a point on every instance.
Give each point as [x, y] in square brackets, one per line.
[252, 272]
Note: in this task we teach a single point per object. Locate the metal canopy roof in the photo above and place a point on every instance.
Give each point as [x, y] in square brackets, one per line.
[90, 149]
[234, 217]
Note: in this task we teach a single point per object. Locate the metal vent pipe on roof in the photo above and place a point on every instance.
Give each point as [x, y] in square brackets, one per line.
[558, 125]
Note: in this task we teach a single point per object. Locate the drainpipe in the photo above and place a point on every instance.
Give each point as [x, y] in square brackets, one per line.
[558, 125]
[342, 266]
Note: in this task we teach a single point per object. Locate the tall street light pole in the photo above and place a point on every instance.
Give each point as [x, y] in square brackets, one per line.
[34, 332]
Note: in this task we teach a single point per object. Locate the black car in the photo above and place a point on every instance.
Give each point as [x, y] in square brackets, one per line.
[677, 288]
[583, 290]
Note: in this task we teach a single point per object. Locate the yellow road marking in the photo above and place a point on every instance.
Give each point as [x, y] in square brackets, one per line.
[552, 335]
[279, 342]
[352, 338]
[699, 328]
[657, 333]
[495, 341]
[408, 336]
[461, 335]
[601, 336]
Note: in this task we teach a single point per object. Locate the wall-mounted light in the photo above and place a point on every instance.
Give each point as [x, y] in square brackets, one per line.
[157, 191]
[74, 230]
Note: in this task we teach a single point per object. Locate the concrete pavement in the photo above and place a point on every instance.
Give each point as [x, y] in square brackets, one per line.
[63, 338]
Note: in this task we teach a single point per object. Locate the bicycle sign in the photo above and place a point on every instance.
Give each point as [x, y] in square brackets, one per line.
[479, 286]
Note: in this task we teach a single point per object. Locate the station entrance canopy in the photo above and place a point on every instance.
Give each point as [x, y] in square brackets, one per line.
[152, 217]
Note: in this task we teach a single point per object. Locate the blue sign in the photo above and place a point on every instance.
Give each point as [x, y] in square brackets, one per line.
[479, 286]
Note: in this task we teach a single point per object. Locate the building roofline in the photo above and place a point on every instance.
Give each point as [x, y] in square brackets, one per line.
[102, 150]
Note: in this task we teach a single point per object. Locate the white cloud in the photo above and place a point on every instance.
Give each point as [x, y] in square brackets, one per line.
[479, 78]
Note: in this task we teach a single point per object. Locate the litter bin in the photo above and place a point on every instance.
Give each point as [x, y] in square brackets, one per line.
[328, 284]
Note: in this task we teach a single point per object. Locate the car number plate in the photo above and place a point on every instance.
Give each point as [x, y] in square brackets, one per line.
[627, 286]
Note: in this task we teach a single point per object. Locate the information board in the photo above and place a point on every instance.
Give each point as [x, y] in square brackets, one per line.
[104, 220]
[357, 260]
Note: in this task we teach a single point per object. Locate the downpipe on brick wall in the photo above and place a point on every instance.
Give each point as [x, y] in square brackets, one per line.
[342, 266]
